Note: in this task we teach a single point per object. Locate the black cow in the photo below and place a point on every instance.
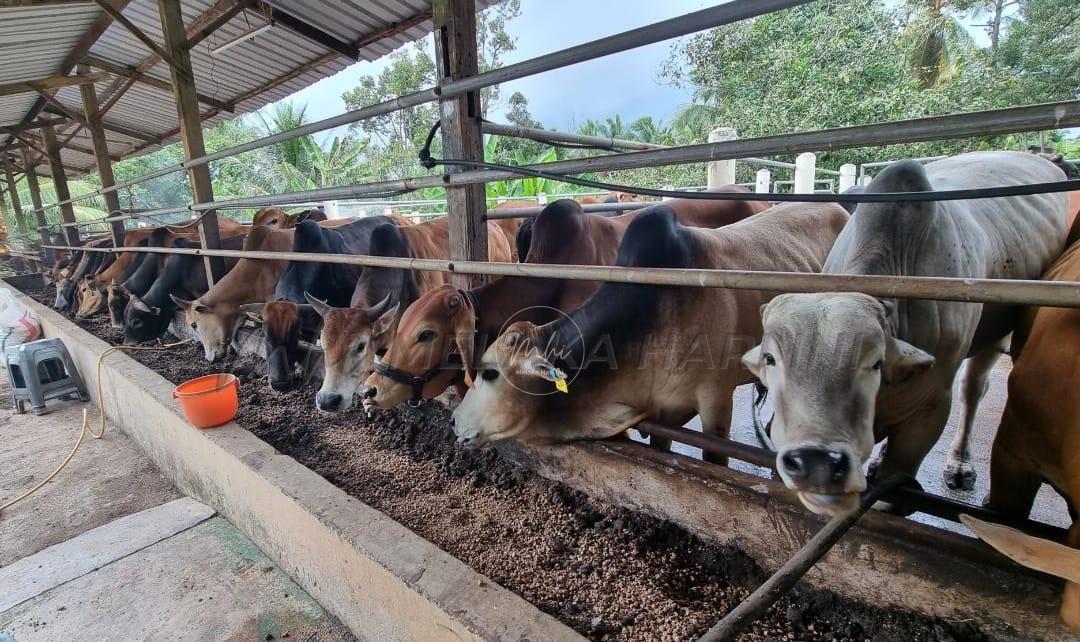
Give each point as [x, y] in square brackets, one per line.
[289, 318]
[147, 317]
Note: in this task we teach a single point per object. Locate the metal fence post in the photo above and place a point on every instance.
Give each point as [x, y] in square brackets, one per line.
[847, 177]
[763, 181]
[805, 168]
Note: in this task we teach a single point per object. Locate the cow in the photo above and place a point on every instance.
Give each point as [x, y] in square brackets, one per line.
[88, 263]
[633, 352]
[285, 313]
[276, 218]
[147, 317]
[1038, 439]
[352, 337]
[622, 197]
[847, 370]
[93, 292]
[143, 277]
[216, 315]
[510, 226]
[470, 320]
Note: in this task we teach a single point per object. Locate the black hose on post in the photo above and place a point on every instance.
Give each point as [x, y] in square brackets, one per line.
[782, 581]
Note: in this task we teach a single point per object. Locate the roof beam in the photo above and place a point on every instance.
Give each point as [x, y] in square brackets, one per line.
[218, 22]
[157, 83]
[52, 82]
[313, 33]
[140, 35]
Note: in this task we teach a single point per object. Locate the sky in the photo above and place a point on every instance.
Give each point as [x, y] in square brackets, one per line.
[626, 83]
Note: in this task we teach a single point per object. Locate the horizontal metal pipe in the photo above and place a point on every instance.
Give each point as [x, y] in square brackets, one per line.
[924, 159]
[722, 14]
[909, 498]
[997, 121]
[1011, 291]
[605, 208]
[544, 135]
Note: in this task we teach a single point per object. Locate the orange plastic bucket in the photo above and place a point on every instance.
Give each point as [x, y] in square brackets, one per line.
[209, 401]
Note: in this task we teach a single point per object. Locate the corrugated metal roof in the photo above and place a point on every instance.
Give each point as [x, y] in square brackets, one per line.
[272, 66]
[33, 44]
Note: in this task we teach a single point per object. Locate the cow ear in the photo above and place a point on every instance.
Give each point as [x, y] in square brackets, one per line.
[753, 362]
[1032, 552]
[320, 307]
[183, 304]
[382, 324]
[536, 365]
[903, 360]
[463, 330]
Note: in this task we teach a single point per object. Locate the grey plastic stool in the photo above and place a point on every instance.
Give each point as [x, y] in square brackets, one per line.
[40, 370]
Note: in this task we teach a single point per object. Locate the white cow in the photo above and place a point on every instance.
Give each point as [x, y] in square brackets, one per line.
[848, 370]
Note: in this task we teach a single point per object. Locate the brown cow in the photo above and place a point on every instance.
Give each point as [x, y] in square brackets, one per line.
[562, 234]
[216, 315]
[351, 337]
[633, 351]
[1039, 437]
[277, 218]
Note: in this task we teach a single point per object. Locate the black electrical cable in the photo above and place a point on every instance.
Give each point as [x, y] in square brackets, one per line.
[430, 162]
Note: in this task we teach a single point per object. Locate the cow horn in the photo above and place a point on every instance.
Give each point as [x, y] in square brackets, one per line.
[320, 307]
[377, 310]
[140, 305]
[183, 304]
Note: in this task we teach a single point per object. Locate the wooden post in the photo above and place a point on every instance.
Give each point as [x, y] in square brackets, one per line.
[35, 198]
[187, 106]
[67, 211]
[101, 155]
[13, 192]
[456, 58]
[720, 173]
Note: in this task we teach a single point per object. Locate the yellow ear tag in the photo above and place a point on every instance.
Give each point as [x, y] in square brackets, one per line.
[560, 382]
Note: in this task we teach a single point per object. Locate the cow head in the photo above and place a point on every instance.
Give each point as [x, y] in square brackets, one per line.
[216, 324]
[351, 338]
[144, 322]
[282, 324]
[271, 217]
[92, 298]
[824, 357]
[513, 377]
[117, 295]
[65, 294]
[437, 324]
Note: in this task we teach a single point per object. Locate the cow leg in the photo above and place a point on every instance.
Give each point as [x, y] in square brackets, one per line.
[716, 422]
[1013, 482]
[910, 440]
[959, 472]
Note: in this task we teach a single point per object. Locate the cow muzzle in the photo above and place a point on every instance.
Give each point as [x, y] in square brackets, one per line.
[827, 478]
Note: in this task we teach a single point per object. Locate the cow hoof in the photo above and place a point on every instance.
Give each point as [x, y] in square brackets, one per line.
[960, 475]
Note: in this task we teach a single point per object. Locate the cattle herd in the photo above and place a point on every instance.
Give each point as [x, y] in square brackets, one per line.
[545, 360]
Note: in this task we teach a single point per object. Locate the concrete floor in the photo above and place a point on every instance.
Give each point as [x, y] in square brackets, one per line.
[1049, 506]
[110, 550]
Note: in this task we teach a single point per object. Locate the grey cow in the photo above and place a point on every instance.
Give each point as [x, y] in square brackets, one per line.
[847, 370]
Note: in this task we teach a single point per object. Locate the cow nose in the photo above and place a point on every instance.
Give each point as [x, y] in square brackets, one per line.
[328, 401]
[369, 392]
[816, 466]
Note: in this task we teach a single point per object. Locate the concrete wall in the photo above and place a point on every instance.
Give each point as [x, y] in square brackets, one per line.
[381, 579]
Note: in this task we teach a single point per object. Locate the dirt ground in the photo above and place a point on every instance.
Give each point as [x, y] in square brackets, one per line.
[609, 573]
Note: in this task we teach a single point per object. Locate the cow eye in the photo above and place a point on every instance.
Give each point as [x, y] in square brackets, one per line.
[136, 323]
[878, 365]
[489, 374]
[360, 347]
[769, 359]
[194, 326]
[426, 335]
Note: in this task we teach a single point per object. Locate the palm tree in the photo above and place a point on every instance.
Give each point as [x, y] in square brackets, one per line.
[303, 163]
[936, 39]
[646, 130]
